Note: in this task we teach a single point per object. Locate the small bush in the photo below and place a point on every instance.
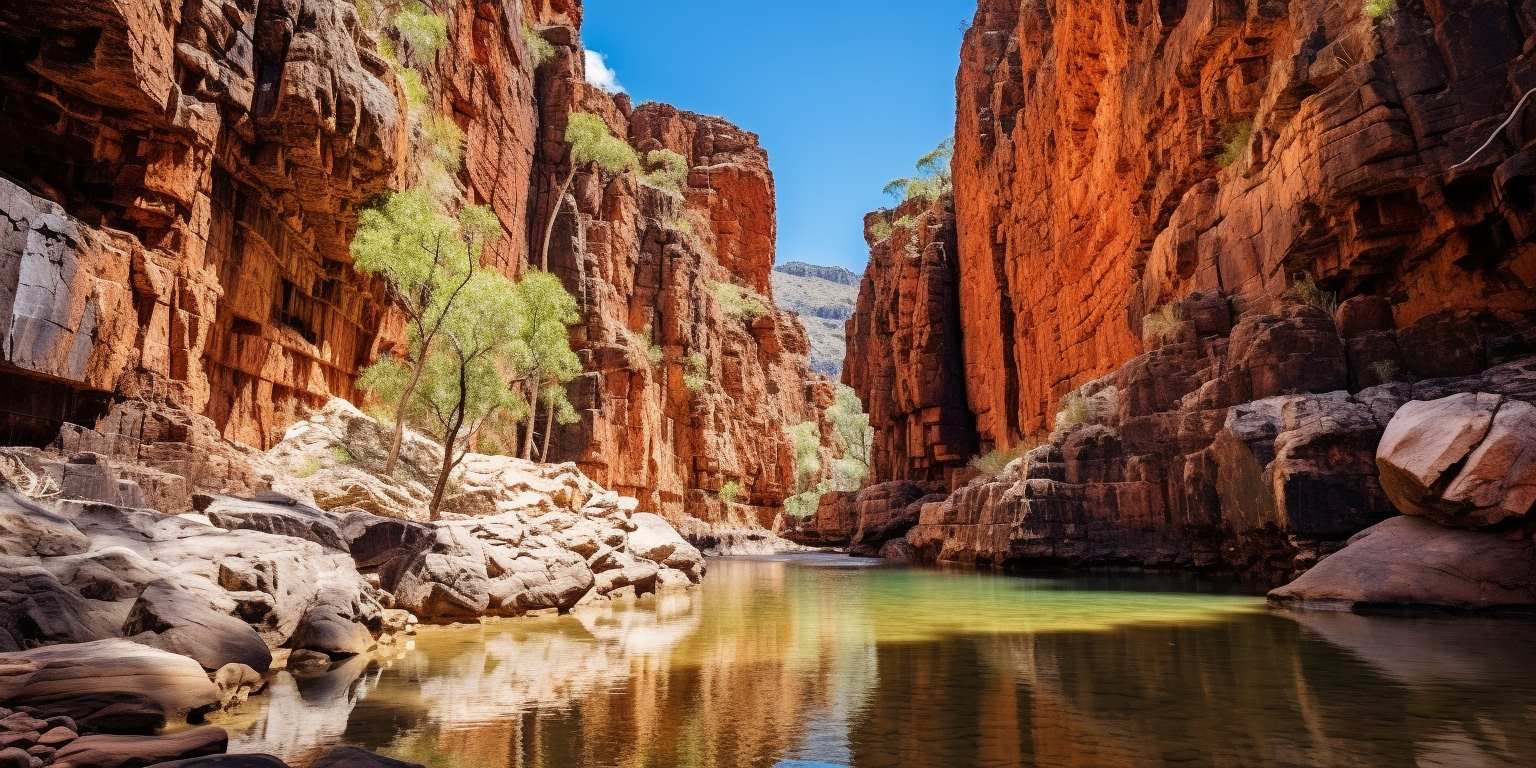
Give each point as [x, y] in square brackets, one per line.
[1375, 10]
[992, 463]
[668, 171]
[737, 302]
[697, 374]
[803, 505]
[308, 469]
[415, 90]
[881, 231]
[444, 142]
[422, 31]
[1307, 291]
[1161, 326]
[1238, 138]
[730, 493]
[341, 455]
[1079, 408]
[1386, 371]
[539, 49]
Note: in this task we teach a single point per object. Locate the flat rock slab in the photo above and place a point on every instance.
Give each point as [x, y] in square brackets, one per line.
[104, 751]
[125, 671]
[1408, 562]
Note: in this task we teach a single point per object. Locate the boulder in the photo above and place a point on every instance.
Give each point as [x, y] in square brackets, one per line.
[225, 761]
[656, 540]
[107, 681]
[277, 514]
[1468, 460]
[1410, 562]
[183, 620]
[31, 531]
[109, 751]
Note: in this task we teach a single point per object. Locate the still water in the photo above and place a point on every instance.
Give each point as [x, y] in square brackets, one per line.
[813, 661]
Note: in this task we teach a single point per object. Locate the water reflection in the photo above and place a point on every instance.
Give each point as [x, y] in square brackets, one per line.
[815, 661]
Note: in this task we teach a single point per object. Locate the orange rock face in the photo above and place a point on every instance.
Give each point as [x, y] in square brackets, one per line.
[1112, 157]
[903, 354]
[646, 266]
[184, 181]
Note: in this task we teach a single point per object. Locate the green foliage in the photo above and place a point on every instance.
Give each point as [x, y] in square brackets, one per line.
[697, 374]
[340, 454]
[933, 179]
[805, 440]
[415, 90]
[308, 469]
[906, 222]
[1386, 370]
[853, 438]
[550, 311]
[422, 31]
[1376, 10]
[1307, 291]
[993, 462]
[539, 49]
[443, 140]
[881, 231]
[730, 493]
[804, 504]
[1238, 137]
[666, 171]
[592, 143]
[737, 302]
[1161, 326]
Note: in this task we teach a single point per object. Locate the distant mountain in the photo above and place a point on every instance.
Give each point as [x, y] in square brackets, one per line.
[830, 274]
[824, 298]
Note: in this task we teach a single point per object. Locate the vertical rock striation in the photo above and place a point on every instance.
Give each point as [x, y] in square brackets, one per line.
[1204, 252]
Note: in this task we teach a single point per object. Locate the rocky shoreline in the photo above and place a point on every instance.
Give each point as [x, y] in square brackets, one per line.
[128, 610]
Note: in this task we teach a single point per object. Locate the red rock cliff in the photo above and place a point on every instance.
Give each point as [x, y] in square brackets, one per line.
[1091, 139]
[182, 182]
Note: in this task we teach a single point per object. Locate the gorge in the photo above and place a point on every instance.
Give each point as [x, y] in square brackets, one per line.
[1205, 301]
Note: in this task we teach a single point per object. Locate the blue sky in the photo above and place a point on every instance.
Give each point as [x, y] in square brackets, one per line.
[846, 94]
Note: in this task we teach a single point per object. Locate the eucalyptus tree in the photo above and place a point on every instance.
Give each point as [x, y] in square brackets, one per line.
[549, 312]
[592, 145]
[427, 261]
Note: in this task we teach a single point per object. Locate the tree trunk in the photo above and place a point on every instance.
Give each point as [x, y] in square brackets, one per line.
[533, 418]
[442, 478]
[549, 228]
[405, 399]
[549, 429]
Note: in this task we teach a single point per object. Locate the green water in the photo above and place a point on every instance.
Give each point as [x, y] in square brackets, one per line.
[828, 661]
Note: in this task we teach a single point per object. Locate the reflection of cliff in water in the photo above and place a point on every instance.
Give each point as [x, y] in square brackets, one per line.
[828, 662]
[1320, 690]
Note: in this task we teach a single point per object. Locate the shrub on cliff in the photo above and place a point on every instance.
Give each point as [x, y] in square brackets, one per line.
[933, 178]
[738, 303]
[1238, 137]
[696, 375]
[1161, 326]
[666, 171]
[539, 49]
[730, 493]
[992, 463]
[592, 146]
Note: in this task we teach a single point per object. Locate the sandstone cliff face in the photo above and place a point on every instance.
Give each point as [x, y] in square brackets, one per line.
[182, 182]
[1090, 192]
[1113, 160]
[904, 350]
[645, 266]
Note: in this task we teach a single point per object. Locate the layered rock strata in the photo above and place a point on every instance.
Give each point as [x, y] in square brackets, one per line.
[1204, 252]
[183, 182]
[904, 348]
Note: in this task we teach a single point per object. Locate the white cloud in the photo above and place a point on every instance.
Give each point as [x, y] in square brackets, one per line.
[601, 75]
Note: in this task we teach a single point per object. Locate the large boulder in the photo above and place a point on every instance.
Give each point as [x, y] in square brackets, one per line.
[128, 679]
[656, 540]
[1410, 562]
[31, 531]
[278, 514]
[1468, 460]
[189, 621]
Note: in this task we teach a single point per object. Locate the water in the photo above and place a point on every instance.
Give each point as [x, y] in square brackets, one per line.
[816, 661]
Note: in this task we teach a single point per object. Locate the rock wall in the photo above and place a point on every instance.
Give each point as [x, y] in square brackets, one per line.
[183, 181]
[1281, 184]
[1113, 156]
[646, 266]
[904, 349]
